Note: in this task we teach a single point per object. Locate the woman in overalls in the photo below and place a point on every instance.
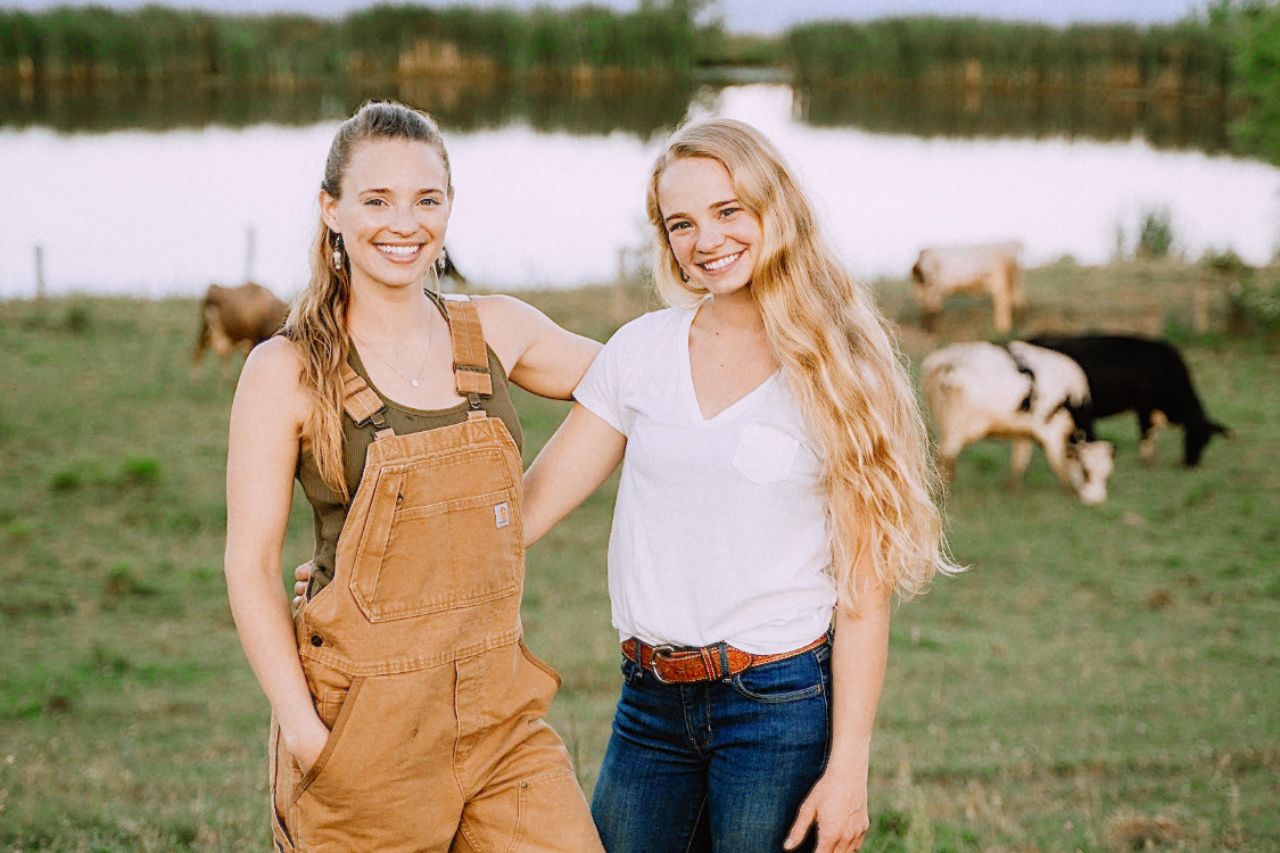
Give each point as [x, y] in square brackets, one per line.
[776, 483]
[407, 712]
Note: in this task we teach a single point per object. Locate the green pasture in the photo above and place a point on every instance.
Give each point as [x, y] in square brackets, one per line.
[1100, 679]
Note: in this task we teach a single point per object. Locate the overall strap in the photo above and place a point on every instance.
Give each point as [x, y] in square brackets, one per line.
[470, 357]
[362, 405]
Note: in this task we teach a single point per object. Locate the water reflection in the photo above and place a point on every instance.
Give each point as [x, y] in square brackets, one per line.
[462, 105]
[601, 107]
[1087, 114]
[150, 213]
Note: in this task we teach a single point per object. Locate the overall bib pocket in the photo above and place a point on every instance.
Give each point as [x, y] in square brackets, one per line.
[419, 558]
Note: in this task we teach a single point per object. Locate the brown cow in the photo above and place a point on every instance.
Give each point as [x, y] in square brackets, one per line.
[237, 318]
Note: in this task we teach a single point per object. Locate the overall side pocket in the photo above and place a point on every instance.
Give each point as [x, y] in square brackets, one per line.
[336, 732]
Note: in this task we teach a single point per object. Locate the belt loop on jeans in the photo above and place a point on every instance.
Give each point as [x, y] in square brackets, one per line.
[724, 659]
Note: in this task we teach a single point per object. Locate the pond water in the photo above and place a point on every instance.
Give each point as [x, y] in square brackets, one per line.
[131, 201]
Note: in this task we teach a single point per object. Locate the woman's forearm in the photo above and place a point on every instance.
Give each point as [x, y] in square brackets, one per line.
[858, 662]
[261, 613]
[575, 461]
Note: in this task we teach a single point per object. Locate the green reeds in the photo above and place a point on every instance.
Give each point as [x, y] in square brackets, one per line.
[90, 45]
[1183, 58]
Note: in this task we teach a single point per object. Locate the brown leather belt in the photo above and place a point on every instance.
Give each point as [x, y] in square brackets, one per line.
[683, 665]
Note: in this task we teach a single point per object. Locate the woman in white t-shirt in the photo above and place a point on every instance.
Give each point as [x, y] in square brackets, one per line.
[776, 484]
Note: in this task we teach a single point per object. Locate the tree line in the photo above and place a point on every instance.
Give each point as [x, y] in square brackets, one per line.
[100, 45]
[1187, 57]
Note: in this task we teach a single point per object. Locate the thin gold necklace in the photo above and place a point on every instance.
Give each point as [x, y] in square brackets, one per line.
[413, 381]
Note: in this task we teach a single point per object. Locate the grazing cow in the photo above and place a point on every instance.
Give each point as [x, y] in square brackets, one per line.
[1021, 392]
[986, 268]
[1143, 375]
[237, 317]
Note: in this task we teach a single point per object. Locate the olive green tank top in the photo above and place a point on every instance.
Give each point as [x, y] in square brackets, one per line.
[329, 511]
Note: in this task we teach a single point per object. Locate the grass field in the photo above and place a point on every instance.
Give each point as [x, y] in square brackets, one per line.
[1102, 679]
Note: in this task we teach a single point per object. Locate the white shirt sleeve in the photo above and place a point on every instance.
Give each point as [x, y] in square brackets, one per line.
[600, 390]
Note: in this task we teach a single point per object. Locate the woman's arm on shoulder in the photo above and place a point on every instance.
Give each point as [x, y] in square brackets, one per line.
[267, 416]
[540, 356]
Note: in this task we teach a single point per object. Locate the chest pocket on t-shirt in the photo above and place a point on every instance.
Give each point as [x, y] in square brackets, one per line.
[764, 454]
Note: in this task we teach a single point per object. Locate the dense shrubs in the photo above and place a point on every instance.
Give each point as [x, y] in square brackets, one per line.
[97, 44]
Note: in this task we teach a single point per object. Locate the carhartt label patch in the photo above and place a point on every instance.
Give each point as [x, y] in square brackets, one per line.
[502, 514]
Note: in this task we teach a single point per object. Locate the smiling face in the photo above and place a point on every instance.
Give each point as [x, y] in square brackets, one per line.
[393, 211]
[713, 237]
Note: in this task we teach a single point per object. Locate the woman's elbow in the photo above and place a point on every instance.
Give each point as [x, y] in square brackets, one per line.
[246, 570]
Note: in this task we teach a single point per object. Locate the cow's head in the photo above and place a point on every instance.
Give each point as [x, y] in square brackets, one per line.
[1194, 440]
[1089, 466]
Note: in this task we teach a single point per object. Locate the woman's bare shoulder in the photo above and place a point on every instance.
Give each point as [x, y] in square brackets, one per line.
[277, 360]
[501, 309]
[272, 375]
[510, 325]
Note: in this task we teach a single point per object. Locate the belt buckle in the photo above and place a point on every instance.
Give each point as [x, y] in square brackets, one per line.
[660, 652]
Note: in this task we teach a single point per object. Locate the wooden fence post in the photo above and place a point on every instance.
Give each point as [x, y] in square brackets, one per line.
[250, 249]
[40, 289]
[620, 298]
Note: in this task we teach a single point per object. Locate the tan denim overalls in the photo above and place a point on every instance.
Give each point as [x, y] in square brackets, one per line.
[413, 653]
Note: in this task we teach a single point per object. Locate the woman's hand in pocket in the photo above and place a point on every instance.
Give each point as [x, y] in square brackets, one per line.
[302, 577]
[305, 746]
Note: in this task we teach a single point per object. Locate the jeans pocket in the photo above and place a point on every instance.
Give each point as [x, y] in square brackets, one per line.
[789, 680]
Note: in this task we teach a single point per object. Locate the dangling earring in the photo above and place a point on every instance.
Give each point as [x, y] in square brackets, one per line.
[684, 276]
[337, 253]
[442, 263]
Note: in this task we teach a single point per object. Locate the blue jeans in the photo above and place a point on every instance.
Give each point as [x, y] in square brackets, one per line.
[719, 766]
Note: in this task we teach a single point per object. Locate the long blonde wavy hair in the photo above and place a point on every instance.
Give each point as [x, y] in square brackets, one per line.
[839, 356]
[317, 323]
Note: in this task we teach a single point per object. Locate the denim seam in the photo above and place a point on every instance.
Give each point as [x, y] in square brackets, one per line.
[688, 724]
[693, 831]
[826, 718]
[706, 695]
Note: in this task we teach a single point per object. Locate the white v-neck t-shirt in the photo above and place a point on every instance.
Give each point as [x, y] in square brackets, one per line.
[720, 531]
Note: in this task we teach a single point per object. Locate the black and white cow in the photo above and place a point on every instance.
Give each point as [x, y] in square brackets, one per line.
[1143, 375]
[979, 390]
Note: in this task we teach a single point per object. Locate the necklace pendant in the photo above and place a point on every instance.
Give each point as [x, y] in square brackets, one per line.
[413, 382]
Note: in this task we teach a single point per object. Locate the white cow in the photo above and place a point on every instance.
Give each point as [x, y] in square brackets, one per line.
[985, 268]
[1021, 392]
